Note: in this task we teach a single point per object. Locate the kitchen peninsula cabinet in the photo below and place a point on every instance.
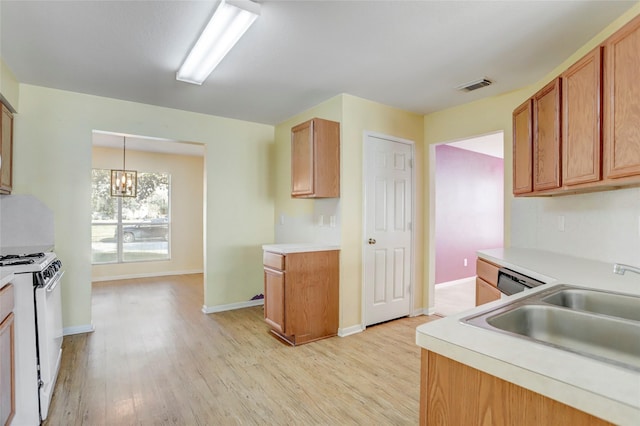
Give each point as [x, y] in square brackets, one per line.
[315, 159]
[301, 292]
[621, 102]
[6, 151]
[546, 137]
[486, 282]
[7, 356]
[582, 121]
[452, 393]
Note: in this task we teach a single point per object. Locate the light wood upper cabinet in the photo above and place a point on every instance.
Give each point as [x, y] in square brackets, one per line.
[315, 159]
[581, 120]
[522, 149]
[622, 102]
[6, 151]
[546, 137]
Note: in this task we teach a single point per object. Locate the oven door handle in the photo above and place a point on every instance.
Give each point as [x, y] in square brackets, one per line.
[54, 283]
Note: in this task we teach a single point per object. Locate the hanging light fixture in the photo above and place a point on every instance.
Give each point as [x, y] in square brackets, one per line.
[124, 183]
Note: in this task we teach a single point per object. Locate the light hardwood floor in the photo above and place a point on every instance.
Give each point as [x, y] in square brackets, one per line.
[455, 297]
[156, 359]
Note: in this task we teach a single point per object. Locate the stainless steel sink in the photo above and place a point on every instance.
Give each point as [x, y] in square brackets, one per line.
[598, 302]
[597, 324]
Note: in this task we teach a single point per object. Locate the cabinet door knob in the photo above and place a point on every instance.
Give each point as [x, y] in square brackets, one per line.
[372, 241]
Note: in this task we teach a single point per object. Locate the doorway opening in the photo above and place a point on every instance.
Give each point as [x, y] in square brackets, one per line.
[160, 231]
[467, 202]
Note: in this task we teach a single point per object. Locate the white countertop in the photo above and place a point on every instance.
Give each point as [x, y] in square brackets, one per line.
[298, 247]
[5, 277]
[603, 390]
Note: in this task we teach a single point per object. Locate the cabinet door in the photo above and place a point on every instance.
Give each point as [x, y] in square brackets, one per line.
[302, 159]
[522, 149]
[485, 292]
[6, 151]
[622, 102]
[274, 299]
[581, 120]
[7, 370]
[546, 137]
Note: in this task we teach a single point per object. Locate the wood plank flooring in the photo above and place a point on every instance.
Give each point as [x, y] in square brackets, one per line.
[156, 359]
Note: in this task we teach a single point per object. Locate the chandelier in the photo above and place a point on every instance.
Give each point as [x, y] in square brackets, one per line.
[124, 183]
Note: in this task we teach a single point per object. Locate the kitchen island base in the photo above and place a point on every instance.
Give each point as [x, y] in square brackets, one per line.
[452, 393]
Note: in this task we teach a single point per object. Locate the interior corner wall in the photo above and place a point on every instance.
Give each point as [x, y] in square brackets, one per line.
[9, 86]
[186, 211]
[469, 212]
[52, 160]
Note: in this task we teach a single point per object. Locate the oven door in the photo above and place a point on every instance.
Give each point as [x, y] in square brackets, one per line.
[49, 311]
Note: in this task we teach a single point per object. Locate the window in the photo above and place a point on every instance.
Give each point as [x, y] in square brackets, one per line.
[130, 229]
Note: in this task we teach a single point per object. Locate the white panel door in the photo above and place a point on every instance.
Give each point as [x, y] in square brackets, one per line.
[388, 215]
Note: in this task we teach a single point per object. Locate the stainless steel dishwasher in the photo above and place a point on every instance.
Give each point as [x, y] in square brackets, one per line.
[512, 282]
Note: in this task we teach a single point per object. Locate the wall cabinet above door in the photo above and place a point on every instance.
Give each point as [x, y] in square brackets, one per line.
[315, 159]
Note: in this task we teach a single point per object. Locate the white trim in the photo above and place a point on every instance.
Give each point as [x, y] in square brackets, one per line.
[348, 331]
[419, 311]
[429, 311]
[78, 329]
[454, 282]
[231, 306]
[146, 275]
[366, 135]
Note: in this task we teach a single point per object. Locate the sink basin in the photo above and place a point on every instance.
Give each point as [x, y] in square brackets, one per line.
[597, 324]
[599, 302]
[584, 333]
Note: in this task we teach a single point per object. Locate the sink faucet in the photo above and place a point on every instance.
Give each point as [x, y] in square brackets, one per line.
[620, 269]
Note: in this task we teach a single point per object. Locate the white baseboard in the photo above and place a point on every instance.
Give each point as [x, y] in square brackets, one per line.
[78, 329]
[146, 275]
[419, 311]
[231, 306]
[450, 283]
[348, 331]
[429, 311]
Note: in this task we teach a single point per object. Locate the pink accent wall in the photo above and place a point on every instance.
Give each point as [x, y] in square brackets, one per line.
[469, 209]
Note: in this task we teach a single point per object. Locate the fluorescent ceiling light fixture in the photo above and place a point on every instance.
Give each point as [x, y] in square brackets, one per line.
[229, 22]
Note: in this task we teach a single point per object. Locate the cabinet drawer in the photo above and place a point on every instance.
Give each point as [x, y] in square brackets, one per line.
[487, 271]
[485, 292]
[273, 260]
[6, 301]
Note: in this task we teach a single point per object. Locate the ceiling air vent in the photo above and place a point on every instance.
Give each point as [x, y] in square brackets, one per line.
[473, 85]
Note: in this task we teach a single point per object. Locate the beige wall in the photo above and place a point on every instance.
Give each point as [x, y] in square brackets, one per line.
[53, 162]
[359, 116]
[9, 87]
[186, 204]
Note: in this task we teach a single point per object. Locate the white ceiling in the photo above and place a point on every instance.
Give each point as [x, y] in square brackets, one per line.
[492, 144]
[407, 54]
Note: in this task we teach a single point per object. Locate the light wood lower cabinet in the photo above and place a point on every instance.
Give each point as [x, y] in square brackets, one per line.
[452, 393]
[7, 356]
[301, 295]
[486, 282]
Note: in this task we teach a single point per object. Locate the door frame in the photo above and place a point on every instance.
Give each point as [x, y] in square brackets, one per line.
[412, 268]
[431, 215]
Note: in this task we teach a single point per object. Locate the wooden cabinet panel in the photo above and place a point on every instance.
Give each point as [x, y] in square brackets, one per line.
[485, 292]
[522, 149]
[274, 302]
[273, 260]
[581, 120]
[6, 151]
[7, 356]
[487, 271]
[546, 137]
[621, 102]
[301, 301]
[452, 393]
[315, 159]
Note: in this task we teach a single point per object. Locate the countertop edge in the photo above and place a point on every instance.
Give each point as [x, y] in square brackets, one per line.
[298, 248]
[576, 397]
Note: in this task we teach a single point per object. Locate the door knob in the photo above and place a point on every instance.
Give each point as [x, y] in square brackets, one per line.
[372, 241]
